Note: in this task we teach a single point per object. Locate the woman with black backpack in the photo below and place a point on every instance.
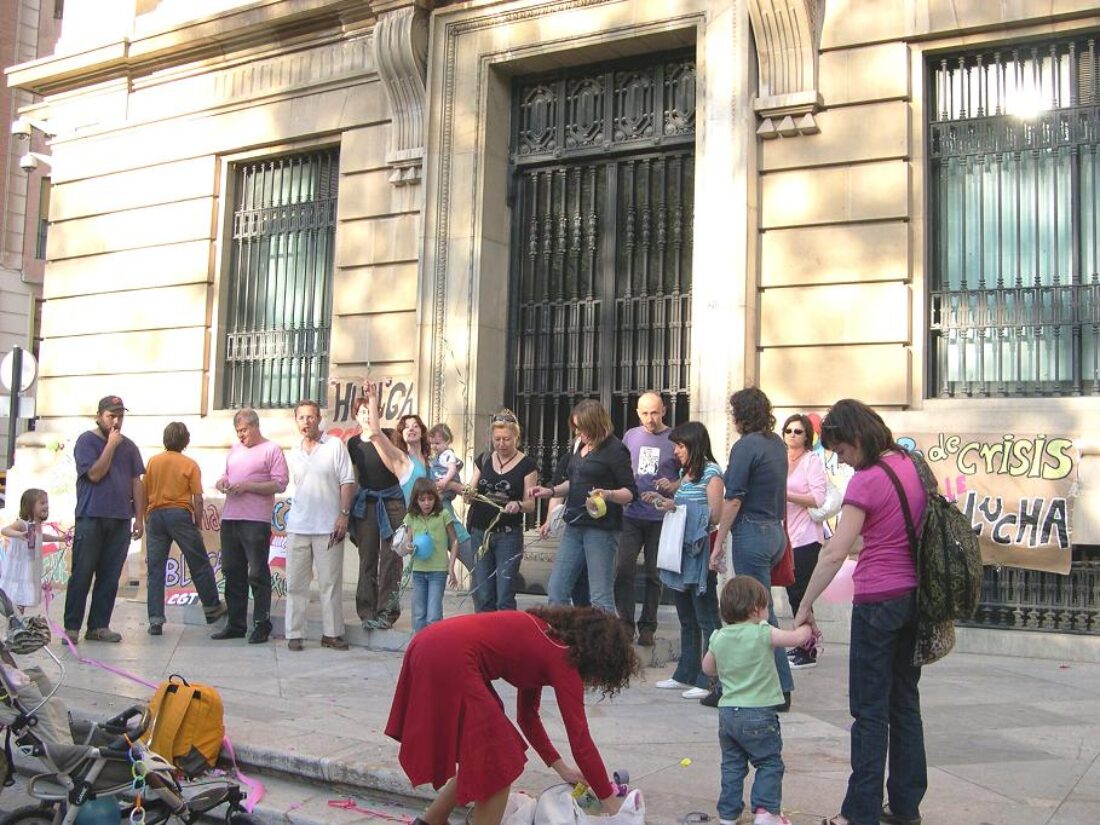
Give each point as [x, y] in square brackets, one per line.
[883, 693]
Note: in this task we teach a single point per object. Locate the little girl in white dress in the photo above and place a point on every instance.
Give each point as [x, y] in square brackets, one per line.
[21, 571]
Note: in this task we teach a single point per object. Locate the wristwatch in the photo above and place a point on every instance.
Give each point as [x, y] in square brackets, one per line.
[345, 512]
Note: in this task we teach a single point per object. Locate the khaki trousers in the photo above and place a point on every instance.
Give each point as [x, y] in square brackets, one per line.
[304, 554]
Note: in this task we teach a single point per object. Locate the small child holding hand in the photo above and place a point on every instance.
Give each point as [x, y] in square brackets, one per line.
[741, 654]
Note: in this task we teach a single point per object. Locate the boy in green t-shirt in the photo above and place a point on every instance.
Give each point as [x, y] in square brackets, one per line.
[742, 655]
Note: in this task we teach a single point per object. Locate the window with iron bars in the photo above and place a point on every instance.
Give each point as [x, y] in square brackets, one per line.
[278, 295]
[1014, 194]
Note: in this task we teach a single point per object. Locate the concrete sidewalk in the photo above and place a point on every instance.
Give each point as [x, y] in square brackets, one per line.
[1010, 740]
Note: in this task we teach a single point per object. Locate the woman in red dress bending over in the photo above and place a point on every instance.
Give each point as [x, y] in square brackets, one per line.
[451, 723]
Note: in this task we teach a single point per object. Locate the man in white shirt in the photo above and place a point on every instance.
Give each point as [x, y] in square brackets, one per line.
[324, 486]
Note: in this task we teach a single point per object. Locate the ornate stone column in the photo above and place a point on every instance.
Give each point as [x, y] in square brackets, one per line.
[401, 54]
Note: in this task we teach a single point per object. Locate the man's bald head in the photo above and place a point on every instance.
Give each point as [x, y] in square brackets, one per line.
[651, 412]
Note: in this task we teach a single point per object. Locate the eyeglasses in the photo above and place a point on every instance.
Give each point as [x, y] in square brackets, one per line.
[793, 431]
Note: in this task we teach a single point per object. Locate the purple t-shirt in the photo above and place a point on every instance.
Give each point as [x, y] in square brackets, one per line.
[263, 462]
[885, 569]
[652, 457]
[113, 495]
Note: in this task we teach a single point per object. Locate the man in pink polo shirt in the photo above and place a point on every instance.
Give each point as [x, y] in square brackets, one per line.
[254, 472]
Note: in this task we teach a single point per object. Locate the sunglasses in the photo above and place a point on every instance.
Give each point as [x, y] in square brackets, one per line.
[504, 418]
[793, 431]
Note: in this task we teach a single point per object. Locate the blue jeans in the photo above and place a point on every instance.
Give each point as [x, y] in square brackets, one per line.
[698, 615]
[99, 552]
[163, 526]
[750, 735]
[496, 592]
[427, 600]
[757, 546]
[885, 703]
[591, 548]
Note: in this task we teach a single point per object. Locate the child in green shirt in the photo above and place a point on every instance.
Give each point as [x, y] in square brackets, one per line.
[741, 654]
[428, 518]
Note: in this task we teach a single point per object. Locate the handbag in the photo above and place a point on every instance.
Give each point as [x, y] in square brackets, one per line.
[783, 571]
[670, 550]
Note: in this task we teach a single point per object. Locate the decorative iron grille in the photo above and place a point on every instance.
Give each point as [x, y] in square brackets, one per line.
[1015, 221]
[1033, 600]
[279, 292]
[601, 272]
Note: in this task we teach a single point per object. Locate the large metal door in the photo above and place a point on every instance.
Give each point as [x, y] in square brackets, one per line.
[601, 264]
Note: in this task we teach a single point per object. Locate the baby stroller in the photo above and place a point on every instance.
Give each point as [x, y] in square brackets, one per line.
[99, 768]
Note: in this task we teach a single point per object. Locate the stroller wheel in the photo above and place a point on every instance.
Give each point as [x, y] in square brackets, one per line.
[32, 815]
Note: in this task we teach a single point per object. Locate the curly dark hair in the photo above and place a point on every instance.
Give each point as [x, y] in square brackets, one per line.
[752, 411]
[599, 647]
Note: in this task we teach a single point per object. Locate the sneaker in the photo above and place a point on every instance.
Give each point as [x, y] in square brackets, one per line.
[671, 684]
[764, 817]
[335, 642]
[156, 629]
[73, 635]
[695, 693]
[645, 638]
[803, 659]
[729, 821]
[260, 633]
[102, 634]
[216, 612]
[792, 652]
[295, 644]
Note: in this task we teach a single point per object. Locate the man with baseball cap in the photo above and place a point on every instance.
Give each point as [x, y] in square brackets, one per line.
[109, 495]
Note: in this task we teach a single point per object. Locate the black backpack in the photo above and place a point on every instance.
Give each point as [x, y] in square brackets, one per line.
[948, 559]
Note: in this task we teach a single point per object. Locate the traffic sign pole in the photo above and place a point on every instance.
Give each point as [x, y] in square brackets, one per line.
[13, 412]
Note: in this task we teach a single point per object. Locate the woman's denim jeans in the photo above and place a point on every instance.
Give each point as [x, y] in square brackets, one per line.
[750, 735]
[427, 600]
[698, 613]
[591, 548]
[757, 546]
[885, 703]
[495, 572]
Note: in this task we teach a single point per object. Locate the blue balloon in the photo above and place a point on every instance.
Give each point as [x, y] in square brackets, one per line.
[423, 546]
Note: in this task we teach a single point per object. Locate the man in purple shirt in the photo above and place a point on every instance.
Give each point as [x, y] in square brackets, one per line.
[653, 458]
[254, 472]
[108, 497]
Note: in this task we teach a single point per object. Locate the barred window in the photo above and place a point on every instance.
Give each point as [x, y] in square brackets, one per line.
[1015, 221]
[278, 296]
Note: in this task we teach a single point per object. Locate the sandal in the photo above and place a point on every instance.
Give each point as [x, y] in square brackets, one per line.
[888, 817]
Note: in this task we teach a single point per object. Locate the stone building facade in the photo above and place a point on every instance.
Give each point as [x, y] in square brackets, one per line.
[523, 202]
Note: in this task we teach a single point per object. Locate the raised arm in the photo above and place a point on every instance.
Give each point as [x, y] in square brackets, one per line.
[396, 461]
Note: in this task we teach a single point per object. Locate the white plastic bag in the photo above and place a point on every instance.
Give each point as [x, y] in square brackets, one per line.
[670, 550]
[830, 506]
[558, 807]
[519, 810]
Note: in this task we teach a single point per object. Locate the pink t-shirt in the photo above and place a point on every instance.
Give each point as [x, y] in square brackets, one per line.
[806, 479]
[885, 569]
[263, 462]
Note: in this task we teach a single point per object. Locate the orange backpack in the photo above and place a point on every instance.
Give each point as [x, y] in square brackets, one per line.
[188, 725]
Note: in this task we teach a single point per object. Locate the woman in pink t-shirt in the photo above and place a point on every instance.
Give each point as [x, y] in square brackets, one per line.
[882, 680]
[806, 488]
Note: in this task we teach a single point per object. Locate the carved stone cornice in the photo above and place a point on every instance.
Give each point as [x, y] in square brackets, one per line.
[787, 34]
[401, 56]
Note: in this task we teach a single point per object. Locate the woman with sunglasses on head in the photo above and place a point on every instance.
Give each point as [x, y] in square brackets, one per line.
[883, 696]
[505, 476]
[806, 487]
[600, 483]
